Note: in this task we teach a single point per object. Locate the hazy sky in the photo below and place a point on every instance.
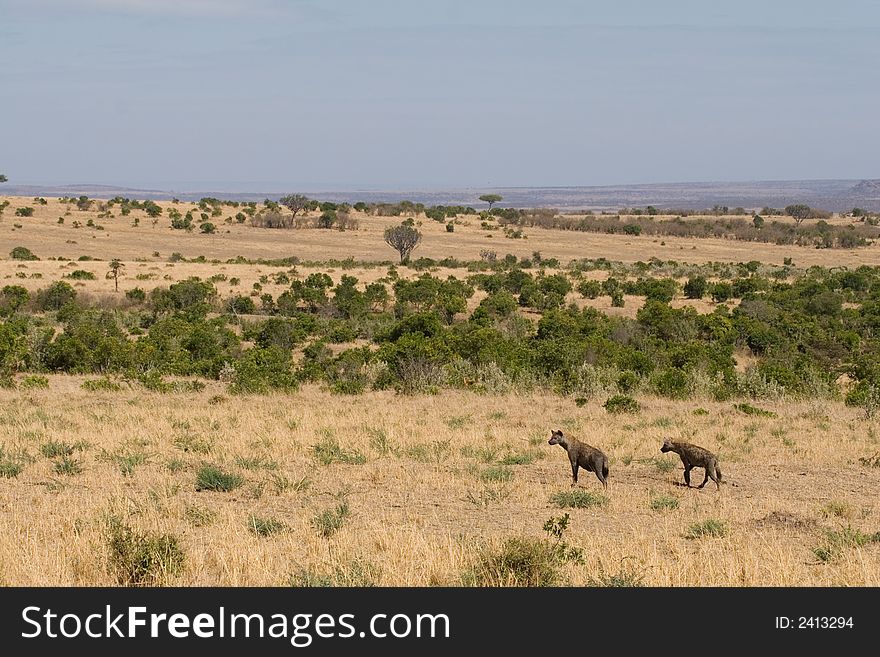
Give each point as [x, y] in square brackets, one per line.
[288, 95]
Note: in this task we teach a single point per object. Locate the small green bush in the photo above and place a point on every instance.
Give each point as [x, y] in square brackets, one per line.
[22, 253]
[212, 477]
[81, 275]
[138, 558]
[34, 381]
[748, 409]
[265, 526]
[664, 503]
[621, 404]
[496, 473]
[329, 451]
[709, 528]
[576, 498]
[518, 562]
[330, 521]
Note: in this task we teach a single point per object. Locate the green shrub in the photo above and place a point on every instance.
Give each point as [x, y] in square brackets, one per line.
[329, 451]
[34, 381]
[575, 498]
[710, 528]
[664, 503]
[265, 526]
[81, 275]
[68, 466]
[498, 473]
[24, 212]
[104, 384]
[518, 562]
[837, 541]
[138, 558]
[330, 521]
[748, 409]
[260, 371]
[696, 287]
[212, 477]
[54, 297]
[621, 404]
[22, 253]
[11, 465]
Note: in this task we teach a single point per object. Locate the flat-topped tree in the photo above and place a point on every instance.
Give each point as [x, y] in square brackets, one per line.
[296, 203]
[491, 199]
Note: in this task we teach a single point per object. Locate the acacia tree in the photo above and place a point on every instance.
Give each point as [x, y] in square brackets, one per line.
[403, 239]
[296, 203]
[115, 271]
[491, 199]
[3, 178]
[798, 212]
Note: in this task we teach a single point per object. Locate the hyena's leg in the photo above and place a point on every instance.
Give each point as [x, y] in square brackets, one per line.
[714, 474]
[687, 475]
[706, 478]
[574, 473]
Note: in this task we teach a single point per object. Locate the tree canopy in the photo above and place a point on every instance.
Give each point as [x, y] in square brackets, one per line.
[403, 239]
[491, 199]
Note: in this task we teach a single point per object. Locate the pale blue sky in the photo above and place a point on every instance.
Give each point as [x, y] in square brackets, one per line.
[273, 95]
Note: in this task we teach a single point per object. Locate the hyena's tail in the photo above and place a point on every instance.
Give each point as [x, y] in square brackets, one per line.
[605, 470]
[718, 472]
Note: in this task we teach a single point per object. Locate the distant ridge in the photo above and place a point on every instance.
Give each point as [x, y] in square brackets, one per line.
[836, 195]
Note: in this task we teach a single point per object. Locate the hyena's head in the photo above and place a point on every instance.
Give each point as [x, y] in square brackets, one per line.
[556, 437]
[667, 445]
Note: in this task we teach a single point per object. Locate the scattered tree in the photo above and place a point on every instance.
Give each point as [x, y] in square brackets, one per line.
[296, 203]
[3, 178]
[115, 270]
[491, 199]
[798, 212]
[403, 239]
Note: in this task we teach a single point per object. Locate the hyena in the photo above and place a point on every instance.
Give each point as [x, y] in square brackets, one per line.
[582, 455]
[694, 456]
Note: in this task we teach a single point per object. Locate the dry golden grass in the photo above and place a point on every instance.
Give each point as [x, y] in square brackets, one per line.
[420, 507]
[120, 239]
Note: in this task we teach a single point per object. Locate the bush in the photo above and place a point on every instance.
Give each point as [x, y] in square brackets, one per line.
[576, 498]
[142, 558]
[261, 371]
[22, 253]
[621, 404]
[136, 294]
[518, 562]
[330, 521]
[34, 381]
[590, 289]
[212, 477]
[207, 228]
[265, 526]
[329, 451]
[721, 292]
[24, 212]
[710, 528]
[240, 305]
[696, 287]
[664, 503]
[55, 296]
[81, 275]
[748, 409]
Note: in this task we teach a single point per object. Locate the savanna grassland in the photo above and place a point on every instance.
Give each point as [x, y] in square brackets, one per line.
[260, 406]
